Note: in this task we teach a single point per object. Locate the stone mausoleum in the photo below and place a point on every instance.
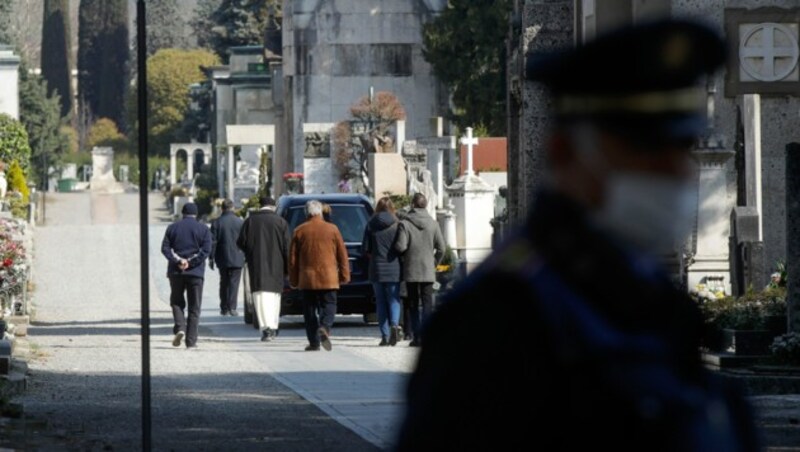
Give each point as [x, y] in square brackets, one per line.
[334, 51]
[753, 106]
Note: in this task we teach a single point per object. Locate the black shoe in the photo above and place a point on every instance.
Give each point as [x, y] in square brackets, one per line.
[324, 338]
[414, 343]
[407, 336]
[223, 312]
[266, 335]
[191, 347]
[383, 343]
[312, 348]
[273, 333]
[233, 313]
[393, 336]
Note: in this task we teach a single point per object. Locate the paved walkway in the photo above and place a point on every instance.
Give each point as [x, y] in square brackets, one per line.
[234, 393]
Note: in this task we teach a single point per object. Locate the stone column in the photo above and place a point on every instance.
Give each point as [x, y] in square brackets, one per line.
[401, 136]
[436, 167]
[220, 172]
[713, 220]
[752, 157]
[792, 233]
[173, 169]
[536, 26]
[229, 166]
[189, 164]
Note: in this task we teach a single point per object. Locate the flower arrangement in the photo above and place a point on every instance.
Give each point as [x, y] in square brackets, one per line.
[702, 293]
[751, 311]
[786, 349]
[13, 267]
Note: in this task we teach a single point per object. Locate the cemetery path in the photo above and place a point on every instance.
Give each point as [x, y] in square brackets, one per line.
[232, 394]
[86, 352]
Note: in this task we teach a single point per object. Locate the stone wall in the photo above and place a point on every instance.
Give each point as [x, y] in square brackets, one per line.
[9, 82]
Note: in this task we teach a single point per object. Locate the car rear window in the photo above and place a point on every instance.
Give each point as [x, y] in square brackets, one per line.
[351, 219]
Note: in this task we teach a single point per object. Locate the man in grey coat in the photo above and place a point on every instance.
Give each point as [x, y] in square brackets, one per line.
[421, 245]
[227, 257]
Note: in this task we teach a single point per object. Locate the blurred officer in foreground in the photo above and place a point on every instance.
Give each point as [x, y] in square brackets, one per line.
[589, 345]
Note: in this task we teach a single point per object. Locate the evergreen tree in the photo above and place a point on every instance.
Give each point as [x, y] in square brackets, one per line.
[56, 61]
[103, 57]
[5, 22]
[202, 22]
[233, 23]
[165, 26]
[40, 114]
[466, 47]
[14, 144]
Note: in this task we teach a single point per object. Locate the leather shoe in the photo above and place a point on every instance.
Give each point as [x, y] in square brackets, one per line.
[233, 313]
[266, 335]
[312, 348]
[383, 343]
[325, 338]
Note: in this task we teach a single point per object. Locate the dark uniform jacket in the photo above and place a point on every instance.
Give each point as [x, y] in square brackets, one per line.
[378, 245]
[188, 239]
[265, 241]
[224, 234]
[562, 340]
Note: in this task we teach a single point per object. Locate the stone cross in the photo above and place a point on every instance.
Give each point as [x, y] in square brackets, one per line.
[470, 142]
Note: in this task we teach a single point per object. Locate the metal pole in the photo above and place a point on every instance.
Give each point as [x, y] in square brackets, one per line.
[141, 40]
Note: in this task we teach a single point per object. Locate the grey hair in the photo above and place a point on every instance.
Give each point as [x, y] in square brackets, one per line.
[313, 208]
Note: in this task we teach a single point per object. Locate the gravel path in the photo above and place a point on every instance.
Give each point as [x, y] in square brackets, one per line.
[86, 379]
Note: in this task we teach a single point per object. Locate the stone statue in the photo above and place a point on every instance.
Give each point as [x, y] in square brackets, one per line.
[421, 182]
[383, 143]
[317, 145]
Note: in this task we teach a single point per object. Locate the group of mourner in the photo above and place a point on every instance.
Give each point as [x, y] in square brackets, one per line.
[402, 249]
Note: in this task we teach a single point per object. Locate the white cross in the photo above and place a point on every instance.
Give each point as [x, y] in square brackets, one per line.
[470, 142]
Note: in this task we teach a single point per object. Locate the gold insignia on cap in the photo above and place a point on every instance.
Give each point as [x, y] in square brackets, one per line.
[676, 51]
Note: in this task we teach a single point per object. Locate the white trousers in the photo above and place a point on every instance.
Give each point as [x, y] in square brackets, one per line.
[268, 309]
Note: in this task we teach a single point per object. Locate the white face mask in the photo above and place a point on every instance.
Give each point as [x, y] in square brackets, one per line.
[652, 213]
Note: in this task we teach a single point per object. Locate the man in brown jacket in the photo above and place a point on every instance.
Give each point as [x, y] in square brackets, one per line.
[318, 264]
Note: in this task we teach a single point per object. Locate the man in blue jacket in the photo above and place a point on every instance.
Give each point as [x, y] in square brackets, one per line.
[227, 257]
[186, 245]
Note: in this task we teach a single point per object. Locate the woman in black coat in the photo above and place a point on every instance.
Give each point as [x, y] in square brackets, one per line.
[384, 268]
